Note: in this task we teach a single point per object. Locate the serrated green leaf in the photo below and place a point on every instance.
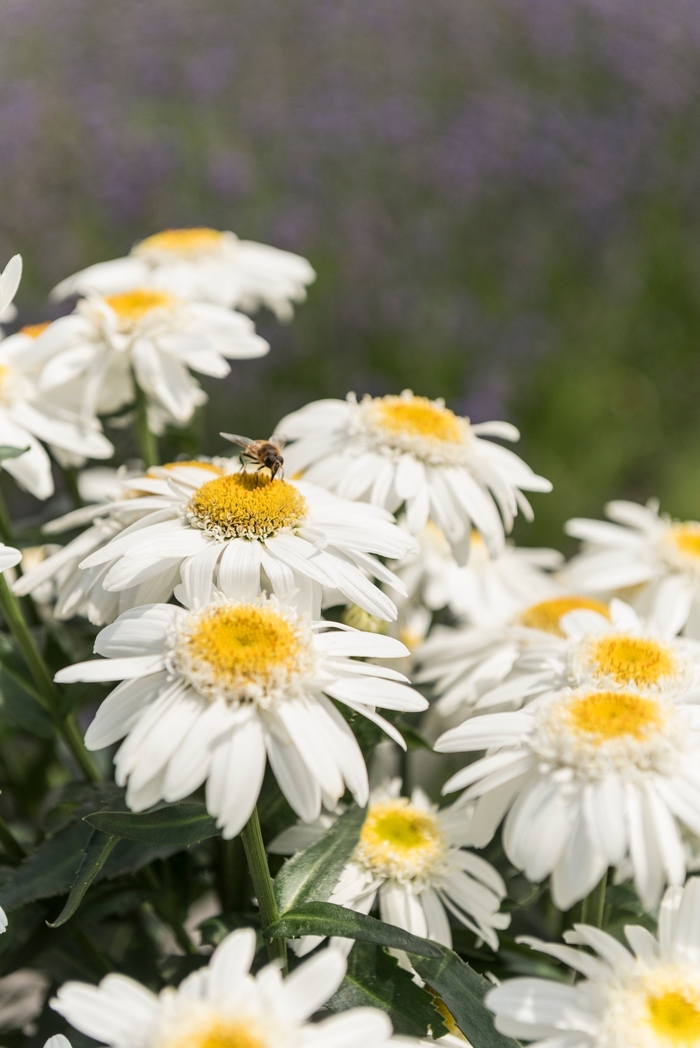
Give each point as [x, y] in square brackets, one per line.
[50, 870]
[7, 452]
[130, 856]
[462, 990]
[97, 852]
[375, 980]
[179, 825]
[325, 918]
[312, 874]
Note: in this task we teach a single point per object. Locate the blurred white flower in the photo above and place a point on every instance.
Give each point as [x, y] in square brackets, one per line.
[410, 857]
[588, 779]
[223, 1004]
[647, 996]
[9, 556]
[210, 694]
[22, 997]
[202, 265]
[407, 450]
[643, 552]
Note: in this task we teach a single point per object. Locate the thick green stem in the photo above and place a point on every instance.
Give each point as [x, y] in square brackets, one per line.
[47, 691]
[593, 906]
[13, 849]
[256, 855]
[146, 439]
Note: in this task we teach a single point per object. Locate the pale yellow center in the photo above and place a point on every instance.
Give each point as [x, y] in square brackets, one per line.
[633, 660]
[547, 615]
[34, 330]
[5, 374]
[609, 715]
[219, 1033]
[194, 241]
[399, 840]
[675, 1017]
[246, 505]
[686, 537]
[132, 306]
[240, 645]
[418, 417]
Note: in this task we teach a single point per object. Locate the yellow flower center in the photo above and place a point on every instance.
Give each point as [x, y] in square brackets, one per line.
[418, 417]
[185, 242]
[632, 660]
[675, 1017]
[132, 306]
[34, 330]
[5, 375]
[612, 714]
[400, 841]
[246, 505]
[686, 537]
[547, 615]
[239, 651]
[219, 1033]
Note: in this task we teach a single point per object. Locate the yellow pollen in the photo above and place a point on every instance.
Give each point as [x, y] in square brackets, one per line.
[547, 615]
[634, 660]
[221, 1033]
[418, 417]
[612, 714]
[242, 645]
[194, 241]
[675, 1018]
[34, 330]
[398, 839]
[686, 537]
[132, 306]
[246, 505]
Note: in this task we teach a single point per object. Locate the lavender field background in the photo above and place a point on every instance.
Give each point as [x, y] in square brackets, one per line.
[501, 199]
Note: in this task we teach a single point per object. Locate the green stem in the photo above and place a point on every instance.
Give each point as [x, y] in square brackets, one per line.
[13, 849]
[593, 906]
[256, 855]
[70, 481]
[5, 523]
[50, 699]
[146, 439]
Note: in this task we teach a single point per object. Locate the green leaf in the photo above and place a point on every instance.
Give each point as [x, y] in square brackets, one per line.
[325, 918]
[312, 874]
[97, 852]
[7, 452]
[130, 856]
[180, 824]
[19, 706]
[462, 990]
[375, 980]
[50, 870]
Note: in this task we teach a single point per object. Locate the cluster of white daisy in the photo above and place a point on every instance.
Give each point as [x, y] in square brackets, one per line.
[248, 617]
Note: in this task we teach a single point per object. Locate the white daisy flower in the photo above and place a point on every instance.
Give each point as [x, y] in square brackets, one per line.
[223, 1004]
[588, 779]
[243, 532]
[641, 550]
[129, 498]
[94, 355]
[410, 858]
[411, 451]
[208, 693]
[29, 415]
[472, 667]
[647, 996]
[203, 265]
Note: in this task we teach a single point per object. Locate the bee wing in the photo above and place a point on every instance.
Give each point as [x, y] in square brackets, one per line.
[279, 442]
[236, 438]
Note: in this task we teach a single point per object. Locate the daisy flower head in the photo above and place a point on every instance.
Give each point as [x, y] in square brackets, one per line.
[410, 860]
[414, 452]
[145, 335]
[224, 1005]
[646, 995]
[592, 778]
[211, 693]
[123, 498]
[241, 533]
[642, 553]
[202, 265]
[477, 667]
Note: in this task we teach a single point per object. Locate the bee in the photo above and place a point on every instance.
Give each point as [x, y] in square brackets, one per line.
[266, 453]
